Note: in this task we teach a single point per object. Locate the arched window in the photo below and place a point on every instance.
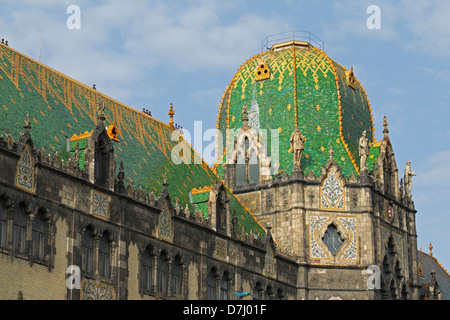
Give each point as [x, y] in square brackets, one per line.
[257, 292]
[3, 224]
[87, 251]
[224, 286]
[147, 271]
[333, 239]
[162, 274]
[39, 237]
[211, 285]
[104, 256]
[279, 295]
[176, 276]
[19, 230]
[269, 295]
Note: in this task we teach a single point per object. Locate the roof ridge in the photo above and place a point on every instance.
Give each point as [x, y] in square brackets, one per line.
[103, 95]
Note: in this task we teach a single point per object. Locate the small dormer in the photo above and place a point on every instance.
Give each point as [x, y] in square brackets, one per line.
[95, 153]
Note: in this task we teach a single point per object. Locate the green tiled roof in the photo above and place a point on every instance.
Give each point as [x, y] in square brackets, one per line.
[60, 107]
[330, 113]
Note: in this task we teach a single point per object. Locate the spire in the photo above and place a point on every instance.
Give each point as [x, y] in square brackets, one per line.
[331, 152]
[385, 125]
[171, 114]
[27, 125]
[101, 112]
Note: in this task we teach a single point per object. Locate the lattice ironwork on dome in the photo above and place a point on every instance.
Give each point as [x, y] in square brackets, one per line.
[304, 38]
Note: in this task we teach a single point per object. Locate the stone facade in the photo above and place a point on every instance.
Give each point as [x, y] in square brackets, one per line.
[375, 228]
[83, 218]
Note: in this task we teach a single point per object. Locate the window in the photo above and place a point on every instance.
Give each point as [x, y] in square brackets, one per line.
[211, 285]
[333, 239]
[38, 237]
[104, 256]
[87, 251]
[257, 292]
[269, 295]
[176, 277]
[224, 287]
[19, 230]
[147, 271]
[3, 224]
[279, 295]
[161, 274]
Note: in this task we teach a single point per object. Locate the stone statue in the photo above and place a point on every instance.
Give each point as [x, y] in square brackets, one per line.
[297, 145]
[407, 179]
[363, 151]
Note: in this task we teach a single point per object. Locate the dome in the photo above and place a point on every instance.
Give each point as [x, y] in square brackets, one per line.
[295, 83]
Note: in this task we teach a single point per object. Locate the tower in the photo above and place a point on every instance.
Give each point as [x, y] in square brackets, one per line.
[328, 189]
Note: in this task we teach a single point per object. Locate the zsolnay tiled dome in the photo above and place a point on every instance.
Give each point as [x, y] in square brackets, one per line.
[291, 83]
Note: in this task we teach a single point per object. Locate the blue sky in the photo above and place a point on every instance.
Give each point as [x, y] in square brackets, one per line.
[148, 54]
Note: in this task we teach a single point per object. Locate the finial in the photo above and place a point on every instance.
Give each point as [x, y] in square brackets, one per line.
[331, 152]
[171, 114]
[121, 174]
[165, 181]
[93, 87]
[101, 112]
[27, 125]
[385, 125]
[431, 249]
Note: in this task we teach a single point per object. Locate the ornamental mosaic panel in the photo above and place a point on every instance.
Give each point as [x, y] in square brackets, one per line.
[165, 223]
[350, 226]
[332, 194]
[221, 251]
[316, 223]
[252, 201]
[96, 290]
[100, 205]
[25, 171]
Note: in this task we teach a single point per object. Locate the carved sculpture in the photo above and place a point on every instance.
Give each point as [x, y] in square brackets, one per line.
[297, 145]
[407, 178]
[363, 151]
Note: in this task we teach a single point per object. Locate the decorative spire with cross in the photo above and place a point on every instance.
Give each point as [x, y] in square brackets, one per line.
[171, 114]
